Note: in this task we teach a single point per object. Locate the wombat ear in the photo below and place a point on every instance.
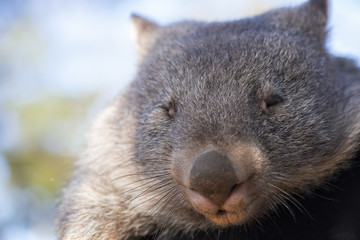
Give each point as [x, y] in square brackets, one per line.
[310, 19]
[321, 5]
[144, 33]
[315, 17]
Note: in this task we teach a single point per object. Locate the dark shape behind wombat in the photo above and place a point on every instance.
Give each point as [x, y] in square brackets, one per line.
[227, 131]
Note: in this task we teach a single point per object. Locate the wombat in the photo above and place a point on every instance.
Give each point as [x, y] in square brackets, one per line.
[245, 129]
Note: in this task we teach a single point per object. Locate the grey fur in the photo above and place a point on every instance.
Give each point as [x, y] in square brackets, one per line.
[215, 78]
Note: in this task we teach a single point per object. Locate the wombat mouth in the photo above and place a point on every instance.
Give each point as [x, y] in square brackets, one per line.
[225, 218]
[234, 210]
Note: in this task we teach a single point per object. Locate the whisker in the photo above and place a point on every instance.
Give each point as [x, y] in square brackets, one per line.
[139, 187]
[147, 179]
[153, 188]
[146, 212]
[142, 174]
[283, 203]
[292, 200]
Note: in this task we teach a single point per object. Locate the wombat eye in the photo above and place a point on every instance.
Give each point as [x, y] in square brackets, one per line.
[170, 108]
[271, 101]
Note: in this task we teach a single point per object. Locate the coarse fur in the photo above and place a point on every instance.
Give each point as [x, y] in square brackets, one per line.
[263, 89]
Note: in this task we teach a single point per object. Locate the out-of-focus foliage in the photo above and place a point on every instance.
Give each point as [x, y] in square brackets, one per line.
[48, 130]
[47, 127]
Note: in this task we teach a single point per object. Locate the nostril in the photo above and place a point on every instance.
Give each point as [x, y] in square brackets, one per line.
[232, 189]
[237, 185]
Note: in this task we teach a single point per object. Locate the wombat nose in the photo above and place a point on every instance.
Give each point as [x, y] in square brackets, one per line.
[213, 176]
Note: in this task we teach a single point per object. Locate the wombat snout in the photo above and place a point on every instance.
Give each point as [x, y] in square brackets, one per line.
[213, 176]
[219, 186]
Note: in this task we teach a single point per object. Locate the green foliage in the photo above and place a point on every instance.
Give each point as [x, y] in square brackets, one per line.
[50, 127]
[36, 167]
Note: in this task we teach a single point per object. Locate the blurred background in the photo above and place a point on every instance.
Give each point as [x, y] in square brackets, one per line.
[61, 61]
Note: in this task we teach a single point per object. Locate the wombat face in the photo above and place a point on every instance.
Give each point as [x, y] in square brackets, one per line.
[235, 117]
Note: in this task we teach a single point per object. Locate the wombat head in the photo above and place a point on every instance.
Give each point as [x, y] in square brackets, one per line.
[235, 117]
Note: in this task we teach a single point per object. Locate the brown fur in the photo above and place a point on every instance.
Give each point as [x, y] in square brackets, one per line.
[205, 85]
